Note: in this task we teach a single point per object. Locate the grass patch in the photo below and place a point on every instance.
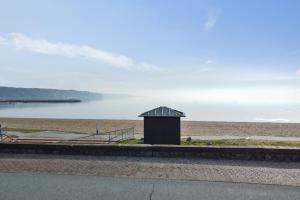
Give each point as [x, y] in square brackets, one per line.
[132, 141]
[227, 142]
[242, 142]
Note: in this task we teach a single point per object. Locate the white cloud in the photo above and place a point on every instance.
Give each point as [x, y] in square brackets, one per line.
[212, 18]
[2, 40]
[277, 120]
[209, 61]
[298, 72]
[21, 41]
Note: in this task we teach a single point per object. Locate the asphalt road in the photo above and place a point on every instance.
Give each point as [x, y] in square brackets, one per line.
[14, 186]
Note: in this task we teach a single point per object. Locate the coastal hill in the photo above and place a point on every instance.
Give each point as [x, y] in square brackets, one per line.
[11, 93]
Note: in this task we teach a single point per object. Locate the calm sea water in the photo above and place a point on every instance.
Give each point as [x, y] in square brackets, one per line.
[130, 108]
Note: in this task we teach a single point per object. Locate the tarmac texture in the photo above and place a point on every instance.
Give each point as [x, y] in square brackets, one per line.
[24, 186]
[262, 172]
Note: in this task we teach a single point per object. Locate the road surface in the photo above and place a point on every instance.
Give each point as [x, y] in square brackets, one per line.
[26, 186]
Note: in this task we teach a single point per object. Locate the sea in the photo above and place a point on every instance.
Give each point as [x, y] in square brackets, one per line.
[131, 107]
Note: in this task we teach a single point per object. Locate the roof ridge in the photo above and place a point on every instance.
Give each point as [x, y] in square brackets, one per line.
[162, 111]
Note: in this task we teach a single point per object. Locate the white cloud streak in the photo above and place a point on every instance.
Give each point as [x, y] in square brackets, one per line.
[212, 18]
[23, 42]
[298, 72]
[276, 120]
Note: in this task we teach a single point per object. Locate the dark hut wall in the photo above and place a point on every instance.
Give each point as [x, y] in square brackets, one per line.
[162, 130]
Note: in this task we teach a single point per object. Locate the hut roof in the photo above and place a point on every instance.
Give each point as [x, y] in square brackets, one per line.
[162, 111]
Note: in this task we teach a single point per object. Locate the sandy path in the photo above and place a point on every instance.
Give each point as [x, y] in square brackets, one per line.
[190, 128]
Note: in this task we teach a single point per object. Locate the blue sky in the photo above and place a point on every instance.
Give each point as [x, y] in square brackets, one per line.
[241, 51]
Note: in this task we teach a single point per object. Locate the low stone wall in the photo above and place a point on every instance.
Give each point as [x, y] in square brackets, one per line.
[240, 153]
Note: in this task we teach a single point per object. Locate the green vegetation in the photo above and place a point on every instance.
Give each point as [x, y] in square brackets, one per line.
[242, 142]
[132, 141]
[228, 142]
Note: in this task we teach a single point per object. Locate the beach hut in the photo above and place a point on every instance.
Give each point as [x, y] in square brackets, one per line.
[162, 126]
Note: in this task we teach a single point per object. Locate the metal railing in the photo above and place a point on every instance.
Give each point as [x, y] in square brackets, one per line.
[3, 131]
[111, 136]
[121, 134]
[104, 137]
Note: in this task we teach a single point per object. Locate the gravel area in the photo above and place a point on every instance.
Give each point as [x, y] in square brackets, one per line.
[173, 168]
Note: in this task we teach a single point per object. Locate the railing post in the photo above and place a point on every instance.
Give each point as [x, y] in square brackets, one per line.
[1, 132]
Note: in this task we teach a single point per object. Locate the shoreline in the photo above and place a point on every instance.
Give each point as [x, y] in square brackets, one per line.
[190, 128]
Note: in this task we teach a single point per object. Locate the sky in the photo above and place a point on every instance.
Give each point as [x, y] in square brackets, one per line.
[223, 51]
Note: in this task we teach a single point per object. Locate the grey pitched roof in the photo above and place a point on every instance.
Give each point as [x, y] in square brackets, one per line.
[162, 111]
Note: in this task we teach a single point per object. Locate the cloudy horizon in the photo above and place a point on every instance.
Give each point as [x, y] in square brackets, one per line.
[211, 51]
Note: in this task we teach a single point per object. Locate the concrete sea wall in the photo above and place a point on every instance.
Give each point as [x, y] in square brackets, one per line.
[239, 153]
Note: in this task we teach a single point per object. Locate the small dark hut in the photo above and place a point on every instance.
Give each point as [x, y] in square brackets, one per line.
[162, 126]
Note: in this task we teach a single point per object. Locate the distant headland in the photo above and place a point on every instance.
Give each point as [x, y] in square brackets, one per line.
[41, 101]
[38, 95]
